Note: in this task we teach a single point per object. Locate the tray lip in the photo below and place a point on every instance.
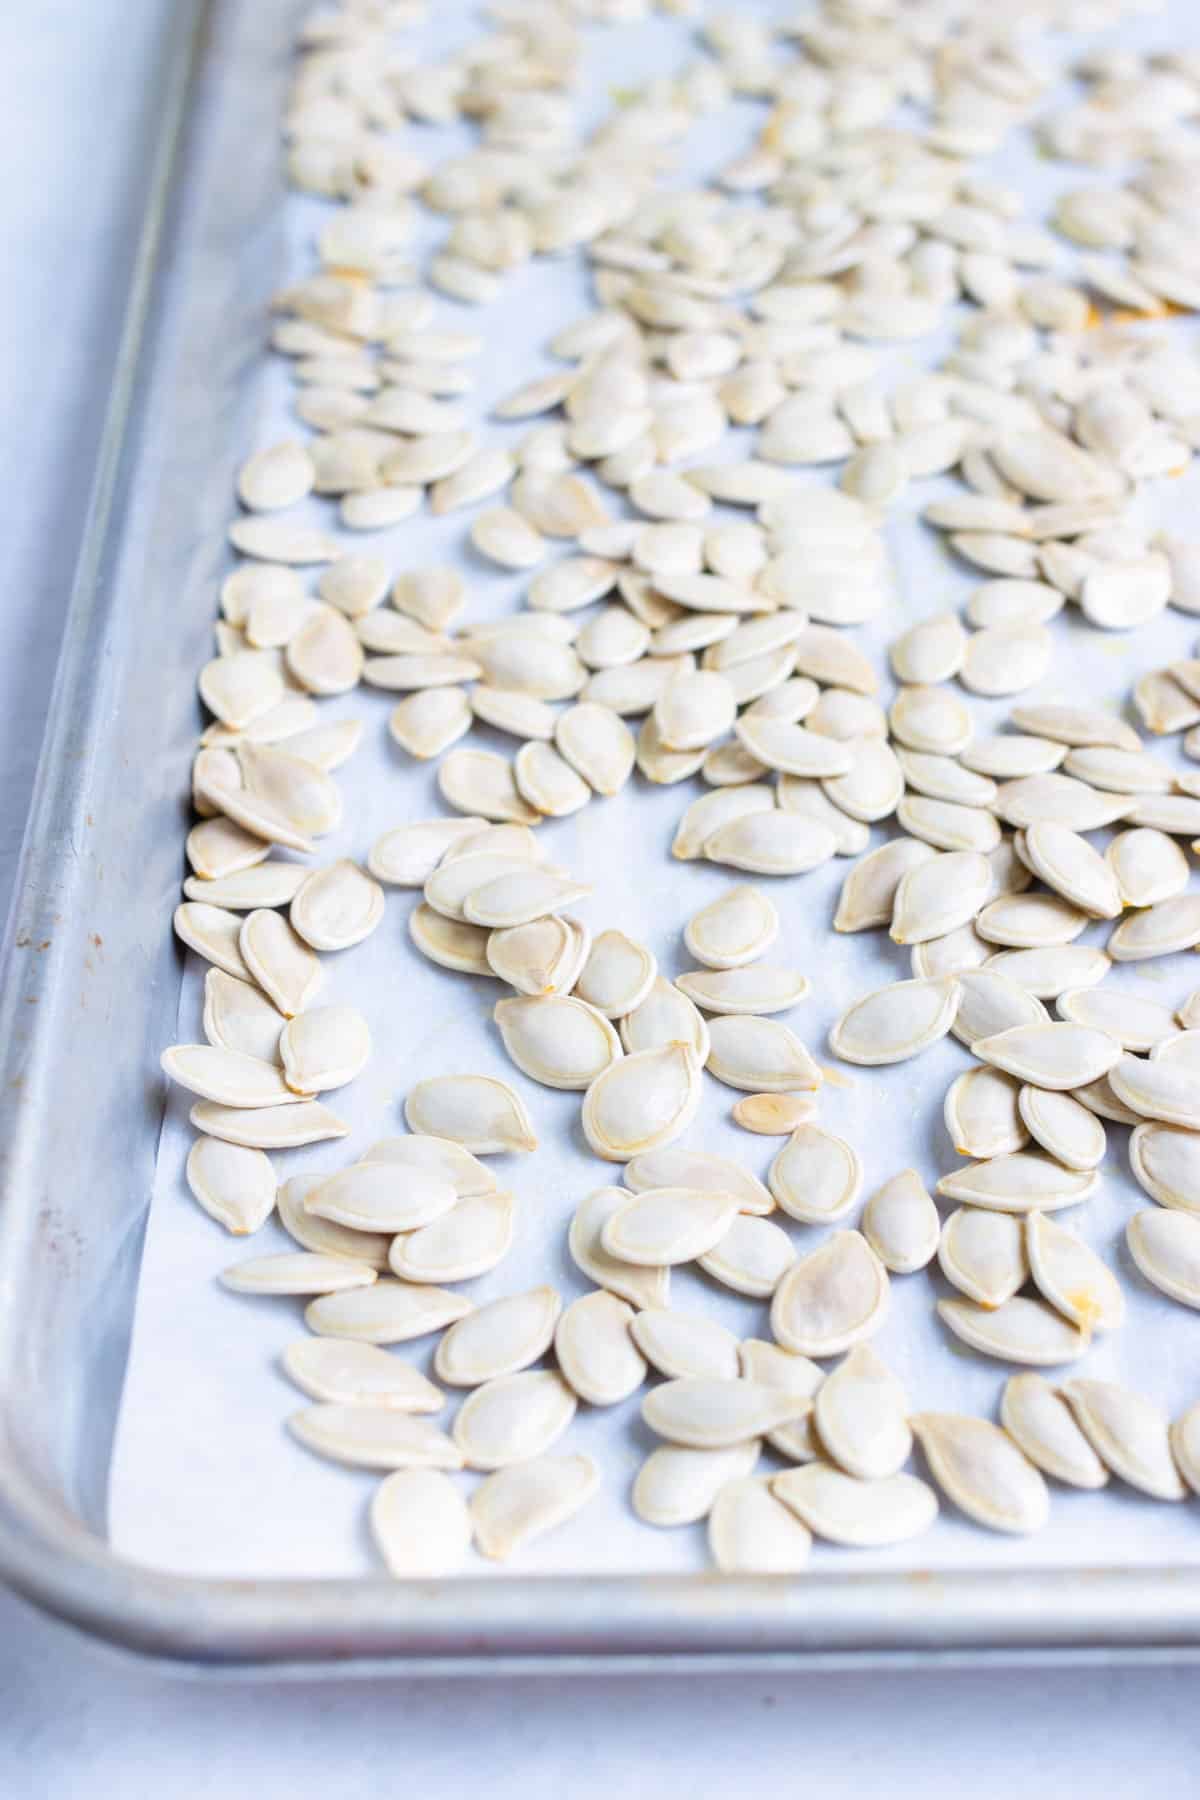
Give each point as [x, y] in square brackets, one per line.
[469, 1625]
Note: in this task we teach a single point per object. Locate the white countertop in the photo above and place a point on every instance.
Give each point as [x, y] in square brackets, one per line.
[76, 1722]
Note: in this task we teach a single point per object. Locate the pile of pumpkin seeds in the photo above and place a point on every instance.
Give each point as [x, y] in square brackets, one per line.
[713, 602]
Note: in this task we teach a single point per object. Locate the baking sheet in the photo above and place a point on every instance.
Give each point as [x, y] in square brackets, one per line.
[205, 1479]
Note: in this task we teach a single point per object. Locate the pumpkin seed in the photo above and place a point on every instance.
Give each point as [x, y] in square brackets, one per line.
[1072, 1277]
[420, 1523]
[229, 1077]
[1185, 1447]
[751, 1258]
[514, 1506]
[467, 1241]
[861, 1415]
[480, 783]
[1058, 1055]
[1158, 930]
[1165, 1160]
[900, 1223]
[773, 1115]
[1014, 756]
[983, 1255]
[928, 718]
[1148, 865]
[498, 1339]
[1163, 1088]
[354, 1374]
[645, 1100]
[638, 1285]
[869, 891]
[704, 1414]
[896, 1022]
[373, 1437]
[617, 975]
[981, 1114]
[1018, 1183]
[1136, 1022]
[757, 989]
[544, 957]
[235, 1186]
[1058, 799]
[1166, 1248]
[936, 895]
[597, 1351]
[439, 1157]
[771, 843]
[864, 1514]
[268, 1127]
[677, 1486]
[676, 1167]
[685, 1345]
[213, 933]
[947, 824]
[750, 1532]
[390, 1312]
[296, 1272]
[1128, 1433]
[559, 1041]
[931, 651]
[982, 1471]
[732, 930]
[482, 1114]
[448, 942]
[1041, 1423]
[816, 1177]
[832, 1298]
[337, 907]
[990, 1002]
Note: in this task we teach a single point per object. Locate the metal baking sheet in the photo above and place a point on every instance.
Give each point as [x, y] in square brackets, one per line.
[147, 1489]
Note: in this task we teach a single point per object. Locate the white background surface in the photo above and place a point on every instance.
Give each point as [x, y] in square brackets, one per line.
[75, 1723]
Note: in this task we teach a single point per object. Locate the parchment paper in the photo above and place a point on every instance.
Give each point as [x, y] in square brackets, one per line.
[206, 1479]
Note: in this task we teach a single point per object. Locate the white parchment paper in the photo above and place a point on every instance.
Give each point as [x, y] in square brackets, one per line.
[206, 1479]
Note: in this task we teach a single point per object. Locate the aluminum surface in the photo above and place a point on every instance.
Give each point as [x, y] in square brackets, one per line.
[91, 995]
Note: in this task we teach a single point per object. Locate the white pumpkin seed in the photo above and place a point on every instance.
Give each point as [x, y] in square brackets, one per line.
[373, 1437]
[750, 1532]
[559, 1041]
[279, 960]
[1018, 1183]
[378, 1197]
[1166, 1248]
[1185, 1444]
[1135, 1021]
[733, 930]
[705, 1414]
[296, 1272]
[1165, 1160]
[901, 1224]
[213, 933]
[229, 1077]
[1062, 1126]
[930, 651]
[480, 783]
[337, 907]
[677, 1167]
[467, 1241]
[645, 1100]
[1040, 1422]
[936, 895]
[756, 989]
[983, 1255]
[449, 942]
[235, 1186]
[982, 1471]
[544, 957]
[869, 891]
[439, 1157]
[930, 719]
[662, 1226]
[482, 1114]
[391, 1312]
[685, 1345]
[948, 824]
[794, 749]
[498, 1339]
[982, 1116]
[865, 1514]
[597, 1351]
[1129, 1434]
[860, 1413]
[1057, 799]
[1058, 1055]
[639, 1286]
[896, 1022]
[514, 1506]
[513, 1418]
[990, 1002]
[1067, 863]
[751, 1258]
[1163, 1088]
[421, 1524]
[353, 1374]
[1072, 1277]
[1148, 865]
[1158, 930]
[816, 1177]
[832, 1298]
[677, 1486]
